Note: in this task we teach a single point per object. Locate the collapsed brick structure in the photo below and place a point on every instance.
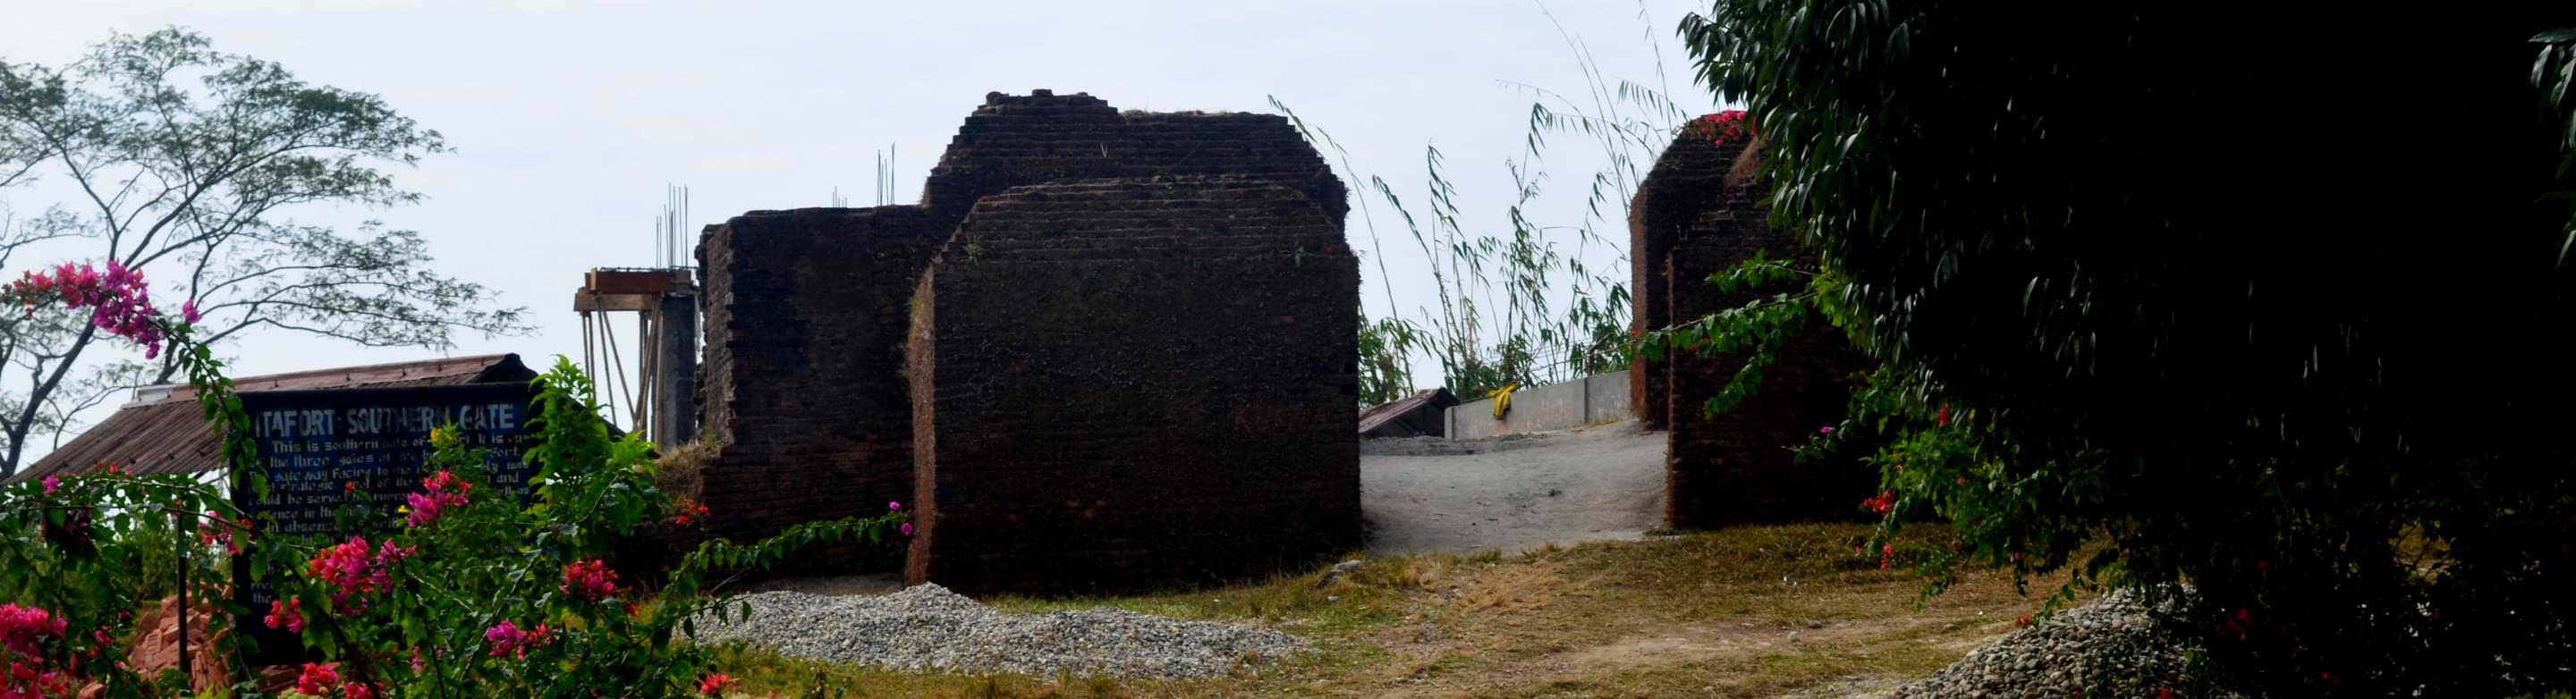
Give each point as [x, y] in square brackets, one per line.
[1130, 384]
[808, 311]
[1698, 212]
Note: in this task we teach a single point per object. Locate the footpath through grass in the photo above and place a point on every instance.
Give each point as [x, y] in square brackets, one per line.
[1748, 612]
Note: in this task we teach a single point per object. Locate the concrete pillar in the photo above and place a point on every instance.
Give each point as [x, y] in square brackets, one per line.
[675, 409]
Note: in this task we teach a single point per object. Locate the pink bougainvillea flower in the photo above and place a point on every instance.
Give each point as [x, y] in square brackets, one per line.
[355, 572]
[907, 529]
[53, 483]
[590, 580]
[893, 505]
[714, 685]
[443, 492]
[188, 312]
[221, 532]
[507, 639]
[318, 679]
[1719, 128]
[1885, 501]
[23, 629]
[287, 614]
[1828, 429]
[118, 300]
[358, 690]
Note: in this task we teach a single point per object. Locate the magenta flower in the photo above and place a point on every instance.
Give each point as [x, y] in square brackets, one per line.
[53, 483]
[444, 491]
[892, 505]
[318, 678]
[907, 529]
[118, 301]
[287, 615]
[356, 572]
[22, 629]
[506, 638]
[188, 312]
[590, 580]
[1828, 429]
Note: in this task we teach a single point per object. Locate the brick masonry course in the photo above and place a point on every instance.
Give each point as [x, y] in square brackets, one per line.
[1134, 384]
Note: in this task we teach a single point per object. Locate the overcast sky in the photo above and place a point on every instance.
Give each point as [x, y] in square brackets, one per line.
[570, 117]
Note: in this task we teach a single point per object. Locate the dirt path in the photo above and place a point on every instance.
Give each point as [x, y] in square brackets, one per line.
[1512, 493]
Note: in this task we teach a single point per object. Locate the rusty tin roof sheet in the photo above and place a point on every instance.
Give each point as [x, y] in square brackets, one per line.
[163, 430]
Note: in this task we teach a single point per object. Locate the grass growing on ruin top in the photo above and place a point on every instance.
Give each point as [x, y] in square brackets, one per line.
[1700, 614]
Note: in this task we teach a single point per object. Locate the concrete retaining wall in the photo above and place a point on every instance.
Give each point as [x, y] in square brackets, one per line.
[1595, 399]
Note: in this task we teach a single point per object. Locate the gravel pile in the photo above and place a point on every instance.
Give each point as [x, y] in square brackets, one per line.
[928, 628]
[2112, 648]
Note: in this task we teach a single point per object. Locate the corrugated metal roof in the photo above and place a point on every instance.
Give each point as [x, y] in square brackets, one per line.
[1374, 418]
[163, 430]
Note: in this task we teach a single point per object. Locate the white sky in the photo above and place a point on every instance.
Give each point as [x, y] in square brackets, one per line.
[570, 117]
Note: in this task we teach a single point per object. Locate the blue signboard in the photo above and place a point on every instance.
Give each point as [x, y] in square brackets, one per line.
[322, 447]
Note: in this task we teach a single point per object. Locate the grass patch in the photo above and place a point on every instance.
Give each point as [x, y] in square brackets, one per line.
[1752, 611]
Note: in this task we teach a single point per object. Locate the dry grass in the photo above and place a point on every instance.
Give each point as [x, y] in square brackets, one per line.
[675, 471]
[1755, 611]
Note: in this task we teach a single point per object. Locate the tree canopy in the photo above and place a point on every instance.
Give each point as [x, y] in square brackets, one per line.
[188, 163]
[2268, 301]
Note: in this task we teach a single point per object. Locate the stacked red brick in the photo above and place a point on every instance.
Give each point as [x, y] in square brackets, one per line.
[1133, 384]
[1699, 212]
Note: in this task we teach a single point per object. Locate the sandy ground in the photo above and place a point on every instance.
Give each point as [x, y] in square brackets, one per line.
[1511, 493]
[1426, 494]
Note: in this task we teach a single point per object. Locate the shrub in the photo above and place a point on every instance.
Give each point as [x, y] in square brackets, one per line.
[2148, 281]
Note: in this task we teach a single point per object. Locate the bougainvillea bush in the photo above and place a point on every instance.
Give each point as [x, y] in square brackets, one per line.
[456, 594]
[466, 595]
[73, 546]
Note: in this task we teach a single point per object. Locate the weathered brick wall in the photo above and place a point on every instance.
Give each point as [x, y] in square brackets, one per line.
[1044, 137]
[1736, 467]
[715, 316]
[1684, 184]
[1134, 384]
[805, 316]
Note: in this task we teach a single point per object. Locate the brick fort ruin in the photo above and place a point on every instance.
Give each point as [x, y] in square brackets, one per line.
[1108, 351]
[1699, 212]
